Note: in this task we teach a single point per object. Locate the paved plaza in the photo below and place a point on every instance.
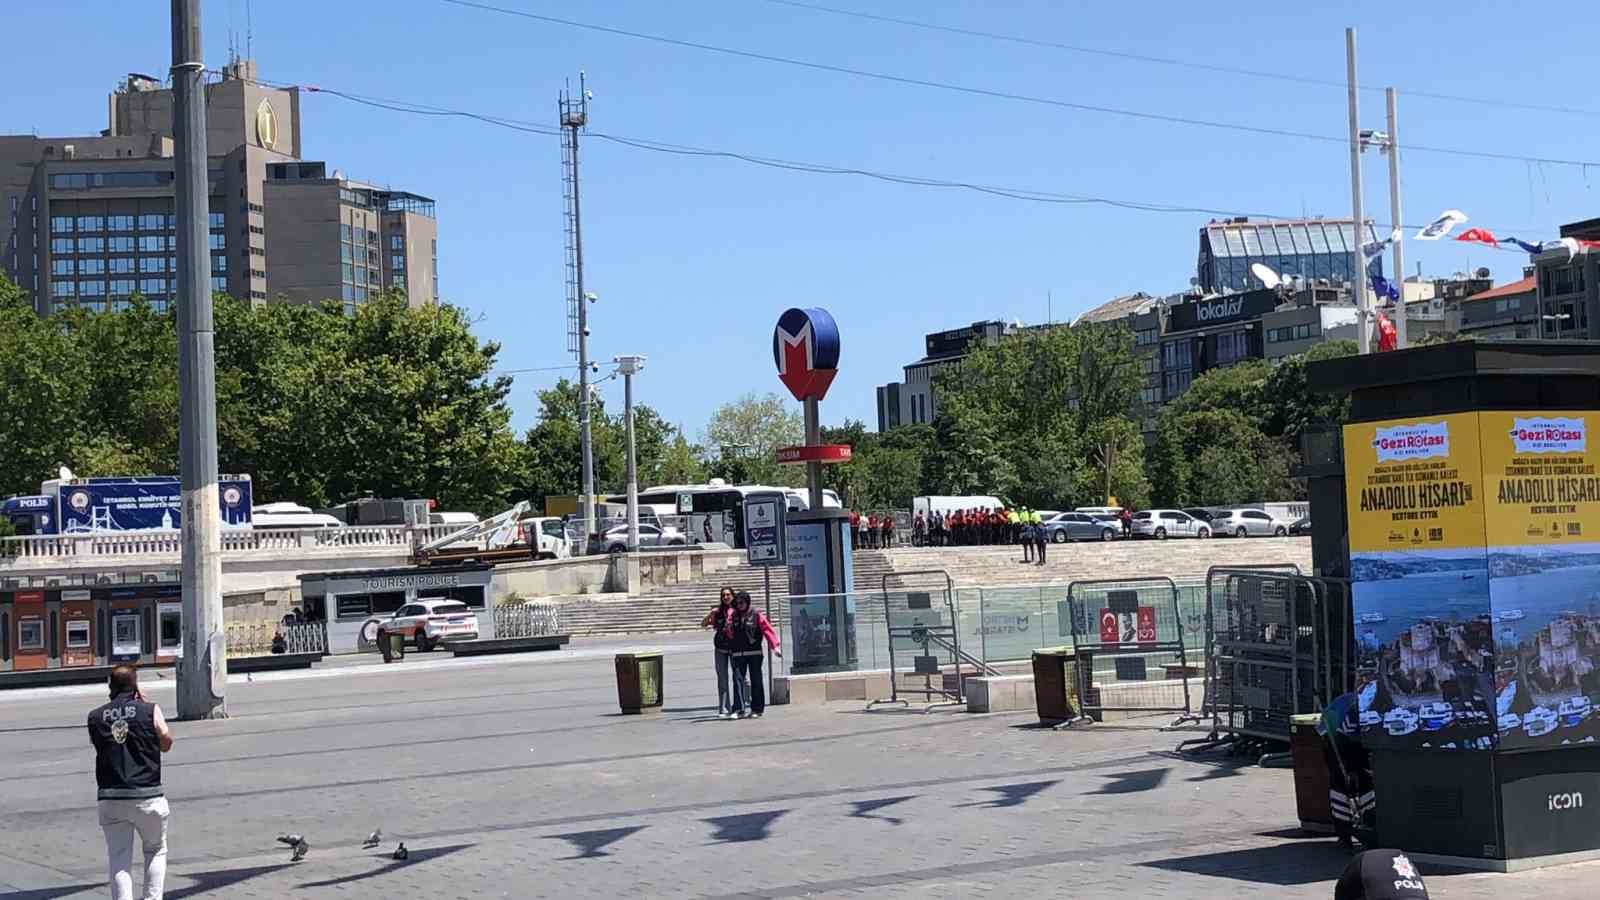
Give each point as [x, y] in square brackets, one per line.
[517, 777]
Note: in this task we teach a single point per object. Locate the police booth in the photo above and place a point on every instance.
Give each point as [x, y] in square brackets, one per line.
[1461, 499]
[353, 604]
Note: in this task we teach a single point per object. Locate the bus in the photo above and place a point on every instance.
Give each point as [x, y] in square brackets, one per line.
[717, 513]
[663, 499]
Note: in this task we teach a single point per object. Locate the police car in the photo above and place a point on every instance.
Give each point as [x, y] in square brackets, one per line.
[426, 622]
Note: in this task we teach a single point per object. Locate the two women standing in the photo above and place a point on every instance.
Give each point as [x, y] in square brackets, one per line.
[741, 631]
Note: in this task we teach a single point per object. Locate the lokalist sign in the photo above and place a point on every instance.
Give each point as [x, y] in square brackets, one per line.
[1219, 309]
[764, 537]
[1546, 435]
[1412, 441]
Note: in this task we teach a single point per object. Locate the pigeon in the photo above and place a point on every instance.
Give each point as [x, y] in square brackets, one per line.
[296, 841]
[401, 852]
[373, 839]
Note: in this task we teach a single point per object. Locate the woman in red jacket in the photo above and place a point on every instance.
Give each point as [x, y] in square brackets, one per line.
[747, 628]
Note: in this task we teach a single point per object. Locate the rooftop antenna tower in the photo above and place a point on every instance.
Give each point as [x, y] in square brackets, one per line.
[574, 111]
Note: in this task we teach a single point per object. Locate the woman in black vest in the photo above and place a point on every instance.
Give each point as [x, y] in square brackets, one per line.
[717, 621]
[747, 629]
[129, 735]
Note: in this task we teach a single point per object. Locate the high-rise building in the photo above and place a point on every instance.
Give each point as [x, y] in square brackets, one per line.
[1317, 250]
[91, 220]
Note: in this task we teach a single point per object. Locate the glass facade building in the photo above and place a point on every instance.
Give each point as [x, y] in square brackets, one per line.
[1311, 248]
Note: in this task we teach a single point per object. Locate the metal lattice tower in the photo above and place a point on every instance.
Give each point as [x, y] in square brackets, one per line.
[574, 117]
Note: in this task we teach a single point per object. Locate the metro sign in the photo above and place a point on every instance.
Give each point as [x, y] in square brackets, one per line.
[805, 347]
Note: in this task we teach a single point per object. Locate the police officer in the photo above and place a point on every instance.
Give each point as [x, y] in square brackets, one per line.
[129, 735]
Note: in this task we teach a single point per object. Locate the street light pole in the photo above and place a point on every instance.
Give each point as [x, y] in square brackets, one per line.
[1358, 267]
[203, 668]
[630, 366]
[1395, 220]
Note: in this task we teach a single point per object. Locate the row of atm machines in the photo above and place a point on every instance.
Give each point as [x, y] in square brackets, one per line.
[80, 627]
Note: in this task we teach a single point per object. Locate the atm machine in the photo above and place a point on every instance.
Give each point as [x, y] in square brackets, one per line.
[77, 644]
[131, 619]
[29, 641]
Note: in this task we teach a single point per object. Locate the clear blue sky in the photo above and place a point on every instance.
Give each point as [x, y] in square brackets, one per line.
[695, 258]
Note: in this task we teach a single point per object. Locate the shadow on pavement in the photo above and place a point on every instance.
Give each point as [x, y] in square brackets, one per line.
[389, 865]
[53, 893]
[1012, 794]
[865, 809]
[589, 844]
[742, 828]
[1286, 864]
[205, 882]
[1132, 782]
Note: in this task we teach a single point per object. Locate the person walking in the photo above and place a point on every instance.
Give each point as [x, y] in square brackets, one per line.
[129, 734]
[888, 529]
[855, 530]
[729, 698]
[1127, 521]
[1041, 538]
[919, 531]
[747, 629]
[1027, 538]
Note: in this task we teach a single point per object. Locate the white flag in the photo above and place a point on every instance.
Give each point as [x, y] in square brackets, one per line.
[1442, 226]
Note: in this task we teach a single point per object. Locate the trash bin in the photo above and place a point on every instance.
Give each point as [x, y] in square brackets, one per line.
[1310, 774]
[639, 682]
[392, 644]
[1054, 693]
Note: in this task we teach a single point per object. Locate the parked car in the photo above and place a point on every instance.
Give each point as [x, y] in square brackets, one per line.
[1301, 527]
[1077, 526]
[1103, 512]
[1200, 513]
[615, 540]
[1247, 523]
[425, 623]
[1168, 523]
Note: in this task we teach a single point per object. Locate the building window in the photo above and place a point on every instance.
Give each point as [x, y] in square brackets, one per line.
[91, 289]
[62, 245]
[359, 235]
[349, 276]
[152, 222]
[92, 245]
[258, 295]
[257, 229]
[91, 223]
[397, 262]
[345, 254]
[62, 267]
[397, 280]
[344, 232]
[216, 219]
[361, 274]
[1232, 347]
[257, 251]
[120, 244]
[219, 284]
[219, 263]
[59, 289]
[152, 286]
[219, 241]
[121, 265]
[152, 263]
[119, 223]
[397, 242]
[372, 277]
[153, 243]
[1302, 332]
[121, 287]
[361, 293]
[347, 292]
[1144, 337]
[60, 224]
[92, 267]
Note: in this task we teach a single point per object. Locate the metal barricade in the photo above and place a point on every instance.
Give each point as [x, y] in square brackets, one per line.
[522, 619]
[1280, 647]
[923, 627]
[1136, 623]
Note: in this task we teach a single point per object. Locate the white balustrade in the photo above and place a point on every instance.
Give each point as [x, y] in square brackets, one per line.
[234, 541]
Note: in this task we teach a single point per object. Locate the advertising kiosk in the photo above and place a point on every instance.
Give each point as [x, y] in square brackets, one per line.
[1471, 536]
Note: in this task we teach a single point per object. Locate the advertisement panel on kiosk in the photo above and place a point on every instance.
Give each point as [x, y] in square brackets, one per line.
[1424, 629]
[1543, 536]
[29, 646]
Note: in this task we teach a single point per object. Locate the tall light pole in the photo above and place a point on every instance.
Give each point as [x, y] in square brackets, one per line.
[629, 366]
[574, 117]
[1393, 147]
[203, 668]
[1358, 263]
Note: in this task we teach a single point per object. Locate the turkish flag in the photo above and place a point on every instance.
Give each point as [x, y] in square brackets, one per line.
[1387, 338]
[1479, 236]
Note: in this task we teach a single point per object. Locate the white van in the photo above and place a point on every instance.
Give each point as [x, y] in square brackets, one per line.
[550, 532]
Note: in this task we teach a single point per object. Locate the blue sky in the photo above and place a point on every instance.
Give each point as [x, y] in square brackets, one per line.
[695, 258]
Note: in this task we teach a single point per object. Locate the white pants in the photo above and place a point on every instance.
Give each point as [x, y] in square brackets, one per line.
[119, 819]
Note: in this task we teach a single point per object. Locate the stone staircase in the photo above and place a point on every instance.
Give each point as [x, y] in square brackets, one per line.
[679, 607]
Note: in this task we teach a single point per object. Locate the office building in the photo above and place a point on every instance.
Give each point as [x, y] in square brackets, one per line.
[1568, 280]
[1508, 312]
[1146, 317]
[1318, 250]
[91, 220]
[914, 400]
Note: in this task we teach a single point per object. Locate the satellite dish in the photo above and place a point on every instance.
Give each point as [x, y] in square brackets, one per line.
[1266, 275]
[65, 474]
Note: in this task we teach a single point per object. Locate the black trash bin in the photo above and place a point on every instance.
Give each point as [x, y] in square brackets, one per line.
[639, 682]
[1054, 692]
[392, 644]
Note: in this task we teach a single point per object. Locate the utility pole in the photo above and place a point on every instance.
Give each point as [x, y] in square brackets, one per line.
[1395, 220]
[574, 117]
[630, 366]
[1358, 263]
[203, 668]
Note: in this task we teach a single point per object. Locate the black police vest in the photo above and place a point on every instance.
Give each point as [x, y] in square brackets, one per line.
[127, 749]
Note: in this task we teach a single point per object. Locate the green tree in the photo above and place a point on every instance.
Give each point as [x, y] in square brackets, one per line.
[42, 396]
[743, 436]
[554, 448]
[1216, 457]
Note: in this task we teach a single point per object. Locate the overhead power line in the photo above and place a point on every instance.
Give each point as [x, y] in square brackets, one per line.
[1168, 61]
[997, 94]
[1013, 193]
